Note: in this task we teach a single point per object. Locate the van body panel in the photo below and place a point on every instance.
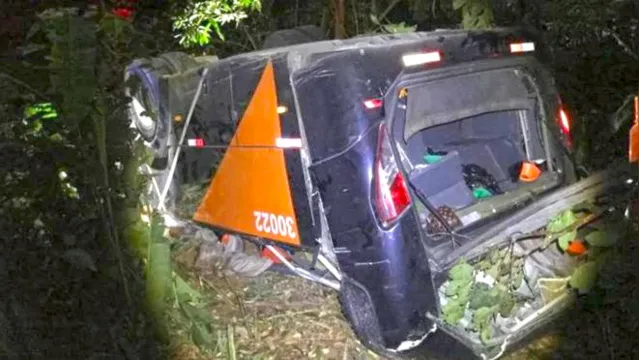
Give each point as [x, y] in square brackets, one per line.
[316, 93]
[390, 263]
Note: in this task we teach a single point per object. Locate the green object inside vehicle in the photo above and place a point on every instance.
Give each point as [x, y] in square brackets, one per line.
[432, 158]
[481, 193]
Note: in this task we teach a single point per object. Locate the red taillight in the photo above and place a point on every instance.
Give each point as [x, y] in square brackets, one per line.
[198, 143]
[564, 125]
[564, 122]
[391, 193]
[373, 103]
[522, 47]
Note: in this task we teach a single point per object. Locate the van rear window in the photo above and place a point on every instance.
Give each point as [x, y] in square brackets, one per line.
[446, 100]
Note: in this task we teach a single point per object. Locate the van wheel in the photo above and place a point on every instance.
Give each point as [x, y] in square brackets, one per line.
[299, 35]
[142, 79]
[361, 316]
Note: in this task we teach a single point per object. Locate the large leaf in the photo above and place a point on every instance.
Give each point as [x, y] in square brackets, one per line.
[602, 238]
[561, 222]
[565, 239]
[481, 296]
[461, 275]
[482, 317]
[461, 271]
[463, 295]
[453, 311]
[585, 276]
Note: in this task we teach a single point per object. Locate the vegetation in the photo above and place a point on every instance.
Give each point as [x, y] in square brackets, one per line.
[84, 277]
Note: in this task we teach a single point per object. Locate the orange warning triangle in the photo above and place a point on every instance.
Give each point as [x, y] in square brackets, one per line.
[250, 191]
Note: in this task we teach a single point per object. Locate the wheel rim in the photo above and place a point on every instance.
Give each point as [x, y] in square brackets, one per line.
[142, 109]
[143, 121]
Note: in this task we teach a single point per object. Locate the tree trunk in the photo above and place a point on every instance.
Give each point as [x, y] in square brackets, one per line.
[339, 26]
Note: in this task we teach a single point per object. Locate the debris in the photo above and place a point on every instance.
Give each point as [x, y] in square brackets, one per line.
[213, 254]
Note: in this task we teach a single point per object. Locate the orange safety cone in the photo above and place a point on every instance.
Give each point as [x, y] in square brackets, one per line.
[529, 172]
[576, 248]
[268, 254]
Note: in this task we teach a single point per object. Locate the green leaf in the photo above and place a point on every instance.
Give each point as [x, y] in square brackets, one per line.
[605, 238]
[464, 294]
[482, 317]
[561, 222]
[565, 239]
[482, 322]
[585, 276]
[453, 311]
[461, 271]
[461, 275]
[453, 287]
[481, 295]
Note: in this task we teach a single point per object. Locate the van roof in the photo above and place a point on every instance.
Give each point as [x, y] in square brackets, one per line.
[301, 52]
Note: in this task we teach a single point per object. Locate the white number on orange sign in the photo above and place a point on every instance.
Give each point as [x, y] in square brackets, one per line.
[274, 224]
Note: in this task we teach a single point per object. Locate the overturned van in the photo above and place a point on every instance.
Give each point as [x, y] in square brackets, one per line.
[399, 161]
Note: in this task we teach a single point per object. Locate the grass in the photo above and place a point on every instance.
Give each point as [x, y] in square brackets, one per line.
[272, 316]
[276, 316]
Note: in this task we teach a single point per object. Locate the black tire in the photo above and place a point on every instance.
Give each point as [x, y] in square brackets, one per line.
[143, 80]
[358, 310]
[299, 35]
[143, 77]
